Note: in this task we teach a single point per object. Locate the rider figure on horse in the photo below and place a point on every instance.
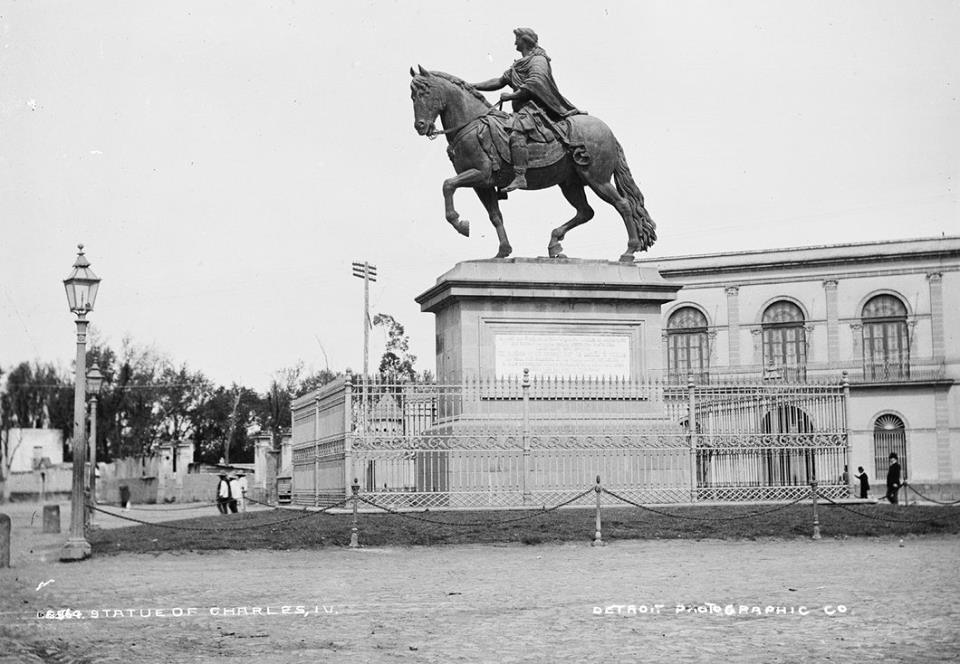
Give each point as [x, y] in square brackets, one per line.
[534, 91]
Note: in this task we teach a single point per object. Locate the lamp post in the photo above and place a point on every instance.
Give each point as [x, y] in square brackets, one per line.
[94, 381]
[81, 286]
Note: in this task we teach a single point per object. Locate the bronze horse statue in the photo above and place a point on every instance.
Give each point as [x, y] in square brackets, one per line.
[462, 111]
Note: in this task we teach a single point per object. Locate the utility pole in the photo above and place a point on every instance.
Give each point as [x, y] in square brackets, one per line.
[368, 273]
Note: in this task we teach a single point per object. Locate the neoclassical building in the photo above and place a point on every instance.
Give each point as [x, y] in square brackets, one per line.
[887, 313]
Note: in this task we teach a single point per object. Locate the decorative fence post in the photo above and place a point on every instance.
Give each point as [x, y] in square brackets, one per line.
[348, 430]
[525, 385]
[316, 451]
[692, 433]
[597, 541]
[845, 384]
[354, 539]
[816, 518]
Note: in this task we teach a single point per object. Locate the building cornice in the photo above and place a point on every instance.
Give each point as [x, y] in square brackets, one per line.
[926, 255]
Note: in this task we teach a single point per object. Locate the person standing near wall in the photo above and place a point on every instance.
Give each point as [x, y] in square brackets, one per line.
[243, 491]
[223, 493]
[234, 486]
[893, 478]
[864, 482]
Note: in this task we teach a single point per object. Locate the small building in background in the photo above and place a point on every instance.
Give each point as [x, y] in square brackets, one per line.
[31, 449]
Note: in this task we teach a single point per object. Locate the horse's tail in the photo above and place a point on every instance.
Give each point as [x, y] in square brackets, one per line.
[623, 179]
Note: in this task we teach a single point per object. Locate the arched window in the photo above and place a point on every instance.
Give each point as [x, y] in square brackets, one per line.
[687, 346]
[889, 435]
[784, 338]
[886, 343]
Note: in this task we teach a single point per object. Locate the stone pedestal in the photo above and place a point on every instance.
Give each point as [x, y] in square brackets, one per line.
[565, 318]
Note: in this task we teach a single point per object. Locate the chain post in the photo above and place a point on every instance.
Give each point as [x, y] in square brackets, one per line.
[906, 492]
[525, 385]
[816, 519]
[597, 541]
[4, 541]
[354, 540]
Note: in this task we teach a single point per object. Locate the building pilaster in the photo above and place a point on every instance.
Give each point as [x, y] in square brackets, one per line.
[944, 451]
[757, 335]
[856, 334]
[733, 324]
[833, 321]
[936, 314]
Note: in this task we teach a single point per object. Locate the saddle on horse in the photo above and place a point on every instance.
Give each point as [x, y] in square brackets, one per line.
[548, 141]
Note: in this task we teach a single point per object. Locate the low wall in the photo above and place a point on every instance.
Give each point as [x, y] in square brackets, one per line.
[148, 479]
[55, 483]
[143, 490]
[268, 495]
[945, 492]
[191, 488]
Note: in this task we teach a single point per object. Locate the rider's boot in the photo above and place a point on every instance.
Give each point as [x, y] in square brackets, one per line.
[518, 152]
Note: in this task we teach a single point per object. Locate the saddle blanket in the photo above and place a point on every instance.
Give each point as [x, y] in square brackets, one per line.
[495, 141]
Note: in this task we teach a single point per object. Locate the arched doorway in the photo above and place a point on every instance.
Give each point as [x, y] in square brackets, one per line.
[889, 435]
[787, 463]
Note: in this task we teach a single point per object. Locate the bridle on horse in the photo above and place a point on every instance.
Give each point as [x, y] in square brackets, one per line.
[433, 135]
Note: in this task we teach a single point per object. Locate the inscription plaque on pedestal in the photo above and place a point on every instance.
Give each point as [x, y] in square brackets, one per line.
[562, 355]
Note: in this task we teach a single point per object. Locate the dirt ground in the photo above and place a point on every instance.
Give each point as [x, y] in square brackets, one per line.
[867, 599]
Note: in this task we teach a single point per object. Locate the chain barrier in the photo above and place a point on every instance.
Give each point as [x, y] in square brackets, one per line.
[174, 509]
[702, 518]
[931, 500]
[470, 524]
[873, 516]
[534, 513]
[257, 502]
[306, 514]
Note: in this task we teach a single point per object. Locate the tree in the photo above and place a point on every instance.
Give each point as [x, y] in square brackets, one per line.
[33, 396]
[6, 452]
[273, 410]
[179, 393]
[213, 433]
[396, 362]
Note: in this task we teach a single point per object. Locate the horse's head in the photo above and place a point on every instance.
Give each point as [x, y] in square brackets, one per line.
[427, 100]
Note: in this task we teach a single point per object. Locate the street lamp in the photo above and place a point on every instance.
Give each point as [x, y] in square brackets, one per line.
[94, 381]
[81, 285]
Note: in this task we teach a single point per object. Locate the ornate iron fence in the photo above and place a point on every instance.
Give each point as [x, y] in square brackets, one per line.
[502, 443]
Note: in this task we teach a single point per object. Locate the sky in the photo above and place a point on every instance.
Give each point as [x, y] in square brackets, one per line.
[224, 163]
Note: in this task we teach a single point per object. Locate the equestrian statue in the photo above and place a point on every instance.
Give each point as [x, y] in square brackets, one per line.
[546, 141]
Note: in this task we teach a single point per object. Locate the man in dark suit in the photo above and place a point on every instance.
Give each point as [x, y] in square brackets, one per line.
[893, 478]
[223, 493]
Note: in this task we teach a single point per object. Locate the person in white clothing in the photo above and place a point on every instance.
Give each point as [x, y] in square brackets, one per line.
[242, 497]
[234, 492]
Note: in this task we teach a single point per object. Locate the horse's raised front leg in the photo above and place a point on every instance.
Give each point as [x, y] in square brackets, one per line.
[470, 178]
[577, 198]
[488, 196]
